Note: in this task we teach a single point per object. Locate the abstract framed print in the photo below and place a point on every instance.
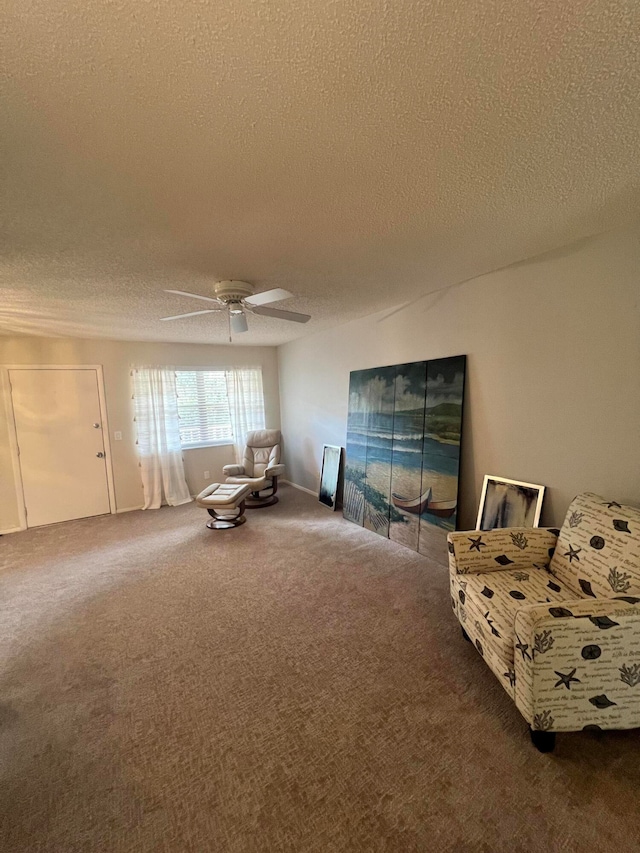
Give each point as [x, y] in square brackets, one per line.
[330, 476]
[509, 503]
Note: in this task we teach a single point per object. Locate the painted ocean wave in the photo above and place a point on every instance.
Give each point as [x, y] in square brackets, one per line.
[409, 458]
[388, 445]
[417, 436]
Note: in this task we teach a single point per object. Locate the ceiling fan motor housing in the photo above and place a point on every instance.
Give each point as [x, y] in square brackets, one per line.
[232, 291]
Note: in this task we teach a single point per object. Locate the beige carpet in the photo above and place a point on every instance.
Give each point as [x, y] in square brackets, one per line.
[297, 684]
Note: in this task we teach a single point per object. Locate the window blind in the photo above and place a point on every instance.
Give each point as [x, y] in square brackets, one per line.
[203, 407]
[217, 406]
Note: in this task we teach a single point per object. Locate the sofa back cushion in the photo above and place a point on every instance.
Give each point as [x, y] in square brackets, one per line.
[598, 549]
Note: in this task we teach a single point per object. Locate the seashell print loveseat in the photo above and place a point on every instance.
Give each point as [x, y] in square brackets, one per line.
[556, 615]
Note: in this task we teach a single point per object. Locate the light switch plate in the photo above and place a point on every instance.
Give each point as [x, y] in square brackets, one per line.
[117, 435]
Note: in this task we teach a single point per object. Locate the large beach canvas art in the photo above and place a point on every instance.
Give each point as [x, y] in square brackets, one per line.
[403, 450]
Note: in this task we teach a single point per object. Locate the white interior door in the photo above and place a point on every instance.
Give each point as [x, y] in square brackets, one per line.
[61, 446]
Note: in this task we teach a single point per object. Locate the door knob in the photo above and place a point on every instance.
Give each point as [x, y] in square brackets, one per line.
[100, 454]
[96, 426]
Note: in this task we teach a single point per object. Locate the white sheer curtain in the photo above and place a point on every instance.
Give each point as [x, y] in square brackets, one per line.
[158, 445]
[246, 404]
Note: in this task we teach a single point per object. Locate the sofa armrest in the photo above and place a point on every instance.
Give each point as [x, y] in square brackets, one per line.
[577, 663]
[233, 470]
[274, 470]
[479, 551]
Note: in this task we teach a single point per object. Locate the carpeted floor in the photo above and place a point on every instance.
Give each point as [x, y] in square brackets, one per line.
[297, 684]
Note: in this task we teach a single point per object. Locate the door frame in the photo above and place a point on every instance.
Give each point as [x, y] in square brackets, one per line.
[5, 391]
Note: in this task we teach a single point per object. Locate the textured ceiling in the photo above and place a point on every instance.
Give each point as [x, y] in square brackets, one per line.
[357, 153]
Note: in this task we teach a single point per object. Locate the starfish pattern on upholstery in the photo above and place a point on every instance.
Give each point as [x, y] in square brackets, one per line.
[566, 679]
[522, 647]
[572, 554]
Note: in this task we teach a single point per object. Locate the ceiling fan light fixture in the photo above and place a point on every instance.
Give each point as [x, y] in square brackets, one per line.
[237, 297]
[238, 321]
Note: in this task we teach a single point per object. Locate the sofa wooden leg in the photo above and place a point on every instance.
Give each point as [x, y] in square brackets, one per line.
[465, 635]
[543, 741]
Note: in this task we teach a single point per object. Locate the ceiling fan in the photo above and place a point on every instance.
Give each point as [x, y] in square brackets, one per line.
[237, 298]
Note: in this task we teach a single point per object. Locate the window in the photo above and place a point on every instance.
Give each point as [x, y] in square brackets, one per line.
[203, 407]
[212, 402]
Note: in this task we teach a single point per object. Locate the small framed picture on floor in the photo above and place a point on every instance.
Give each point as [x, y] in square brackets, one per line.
[330, 476]
[509, 503]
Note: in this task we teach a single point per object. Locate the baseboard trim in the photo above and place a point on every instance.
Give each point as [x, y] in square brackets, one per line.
[128, 509]
[12, 530]
[302, 488]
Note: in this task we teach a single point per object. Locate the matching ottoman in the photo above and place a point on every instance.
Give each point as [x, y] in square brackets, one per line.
[225, 504]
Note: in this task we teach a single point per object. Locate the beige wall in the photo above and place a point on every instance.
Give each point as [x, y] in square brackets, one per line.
[117, 357]
[553, 381]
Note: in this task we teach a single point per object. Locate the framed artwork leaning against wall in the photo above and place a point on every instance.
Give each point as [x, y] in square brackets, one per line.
[509, 503]
[330, 476]
[404, 430]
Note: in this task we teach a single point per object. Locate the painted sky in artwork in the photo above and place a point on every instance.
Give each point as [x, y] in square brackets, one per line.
[406, 392]
[444, 385]
[403, 393]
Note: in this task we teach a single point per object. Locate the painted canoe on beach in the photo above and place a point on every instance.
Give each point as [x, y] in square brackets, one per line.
[423, 503]
[443, 509]
[403, 450]
[414, 505]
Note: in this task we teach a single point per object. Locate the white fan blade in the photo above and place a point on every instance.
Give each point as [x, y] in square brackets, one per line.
[281, 315]
[267, 296]
[191, 314]
[192, 295]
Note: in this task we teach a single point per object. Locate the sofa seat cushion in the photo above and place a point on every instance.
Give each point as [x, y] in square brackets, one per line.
[488, 604]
